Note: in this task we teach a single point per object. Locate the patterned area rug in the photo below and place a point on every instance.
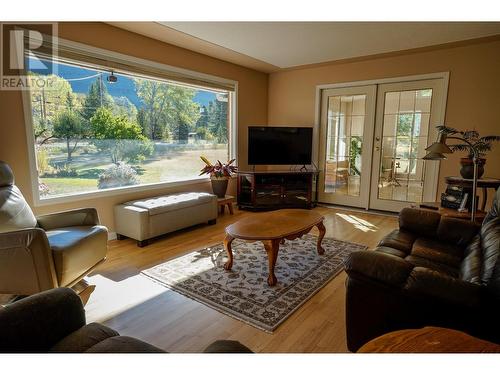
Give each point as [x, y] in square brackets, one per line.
[243, 293]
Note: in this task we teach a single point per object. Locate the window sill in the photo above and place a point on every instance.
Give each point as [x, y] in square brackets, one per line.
[40, 202]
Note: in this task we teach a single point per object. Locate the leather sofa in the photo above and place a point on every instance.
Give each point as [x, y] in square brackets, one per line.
[54, 322]
[432, 271]
[44, 252]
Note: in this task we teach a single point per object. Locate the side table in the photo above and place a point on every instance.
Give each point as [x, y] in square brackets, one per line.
[226, 201]
[480, 215]
[484, 183]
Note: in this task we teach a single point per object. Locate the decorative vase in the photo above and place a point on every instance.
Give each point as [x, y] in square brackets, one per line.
[467, 170]
[219, 186]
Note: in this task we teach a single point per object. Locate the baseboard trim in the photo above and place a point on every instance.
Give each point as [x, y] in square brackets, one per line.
[357, 209]
[111, 236]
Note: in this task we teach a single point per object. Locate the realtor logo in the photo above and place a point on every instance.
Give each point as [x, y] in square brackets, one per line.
[28, 50]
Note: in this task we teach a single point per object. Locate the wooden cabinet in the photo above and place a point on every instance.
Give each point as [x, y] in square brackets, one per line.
[274, 190]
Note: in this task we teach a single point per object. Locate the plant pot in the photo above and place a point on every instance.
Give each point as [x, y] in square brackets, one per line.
[219, 186]
[467, 170]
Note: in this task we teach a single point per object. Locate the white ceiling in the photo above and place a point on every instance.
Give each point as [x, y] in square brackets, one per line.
[276, 45]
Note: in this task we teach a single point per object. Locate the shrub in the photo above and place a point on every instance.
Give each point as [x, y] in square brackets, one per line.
[43, 188]
[42, 159]
[120, 174]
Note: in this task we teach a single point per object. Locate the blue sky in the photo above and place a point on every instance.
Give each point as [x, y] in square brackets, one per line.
[80, 80]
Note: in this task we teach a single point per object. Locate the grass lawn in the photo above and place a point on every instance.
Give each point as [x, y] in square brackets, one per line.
[59, 185]
[171, 167]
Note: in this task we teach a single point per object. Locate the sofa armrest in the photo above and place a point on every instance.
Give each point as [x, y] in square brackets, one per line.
[379, 267]
[36, 323]
[426, 283]
[26, 262]
[81, 216]
[226, 346]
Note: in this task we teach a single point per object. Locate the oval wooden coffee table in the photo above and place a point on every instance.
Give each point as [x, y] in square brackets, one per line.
[273, 228]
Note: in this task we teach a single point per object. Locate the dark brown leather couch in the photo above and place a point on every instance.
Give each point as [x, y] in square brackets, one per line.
[432, 271]
[54, 322]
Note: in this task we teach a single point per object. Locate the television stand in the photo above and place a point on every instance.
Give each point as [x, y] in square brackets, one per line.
[272, 190]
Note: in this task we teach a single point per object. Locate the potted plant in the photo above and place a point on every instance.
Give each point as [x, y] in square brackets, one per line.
[481, 144]
[219, 175]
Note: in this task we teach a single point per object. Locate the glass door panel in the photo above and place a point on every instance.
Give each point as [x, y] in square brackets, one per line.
[345, 143]
[407, 114]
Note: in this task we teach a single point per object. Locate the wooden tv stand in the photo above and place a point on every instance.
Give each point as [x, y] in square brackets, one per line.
[271, 190]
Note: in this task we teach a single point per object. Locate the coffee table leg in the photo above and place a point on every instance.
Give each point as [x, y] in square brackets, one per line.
[272, 248]
[322, 231]
[227, 245]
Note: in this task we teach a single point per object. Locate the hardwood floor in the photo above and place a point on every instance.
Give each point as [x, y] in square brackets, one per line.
[137, 306]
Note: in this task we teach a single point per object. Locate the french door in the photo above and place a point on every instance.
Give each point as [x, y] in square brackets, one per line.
[372, 141]
[346, 139]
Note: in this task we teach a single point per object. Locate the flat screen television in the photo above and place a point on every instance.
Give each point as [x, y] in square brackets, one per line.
[279, 145]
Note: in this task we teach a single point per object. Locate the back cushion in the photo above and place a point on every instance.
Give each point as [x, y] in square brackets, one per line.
[421, 222]
[470, 269]
[15, 213]
[456, 231]
[490, 244]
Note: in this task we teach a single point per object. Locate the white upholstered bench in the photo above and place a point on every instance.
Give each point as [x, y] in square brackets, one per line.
[151, 217]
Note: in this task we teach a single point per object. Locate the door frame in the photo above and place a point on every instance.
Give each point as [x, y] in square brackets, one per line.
[445, 76]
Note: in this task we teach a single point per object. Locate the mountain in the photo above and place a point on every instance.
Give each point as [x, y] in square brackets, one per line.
[80, 80]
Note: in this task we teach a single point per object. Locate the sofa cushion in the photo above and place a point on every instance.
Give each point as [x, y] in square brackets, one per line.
[445, 269]
[490, 244]
[437, 251]
[391, 251]
[457, 231]
[470, 268]
[399, 239]
[83, 338]
[420, 222]
[123, 344]
[76, 250]
[158, 205]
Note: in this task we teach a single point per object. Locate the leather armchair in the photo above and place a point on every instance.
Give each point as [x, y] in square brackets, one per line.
[432, 271]
[47, 252]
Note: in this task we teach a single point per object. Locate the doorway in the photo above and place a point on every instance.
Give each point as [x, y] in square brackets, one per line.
[372, 139]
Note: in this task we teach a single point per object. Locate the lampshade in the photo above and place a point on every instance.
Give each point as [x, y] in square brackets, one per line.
[439, 147]
[434, 156]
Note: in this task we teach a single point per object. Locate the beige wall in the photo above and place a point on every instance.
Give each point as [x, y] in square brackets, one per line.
[252, 104]
[473, 96]
[286, 97]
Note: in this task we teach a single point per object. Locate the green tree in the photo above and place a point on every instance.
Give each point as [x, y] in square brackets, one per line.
[96, 98]
[47, 98]
[68, 125]
[121, 138]
[124, 107]
[169, 110]
[217, 118]
[154, 95]
[203, 120]
[183, 112]
[70, 101]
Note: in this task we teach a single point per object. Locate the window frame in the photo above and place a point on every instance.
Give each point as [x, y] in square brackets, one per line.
[133, 61]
